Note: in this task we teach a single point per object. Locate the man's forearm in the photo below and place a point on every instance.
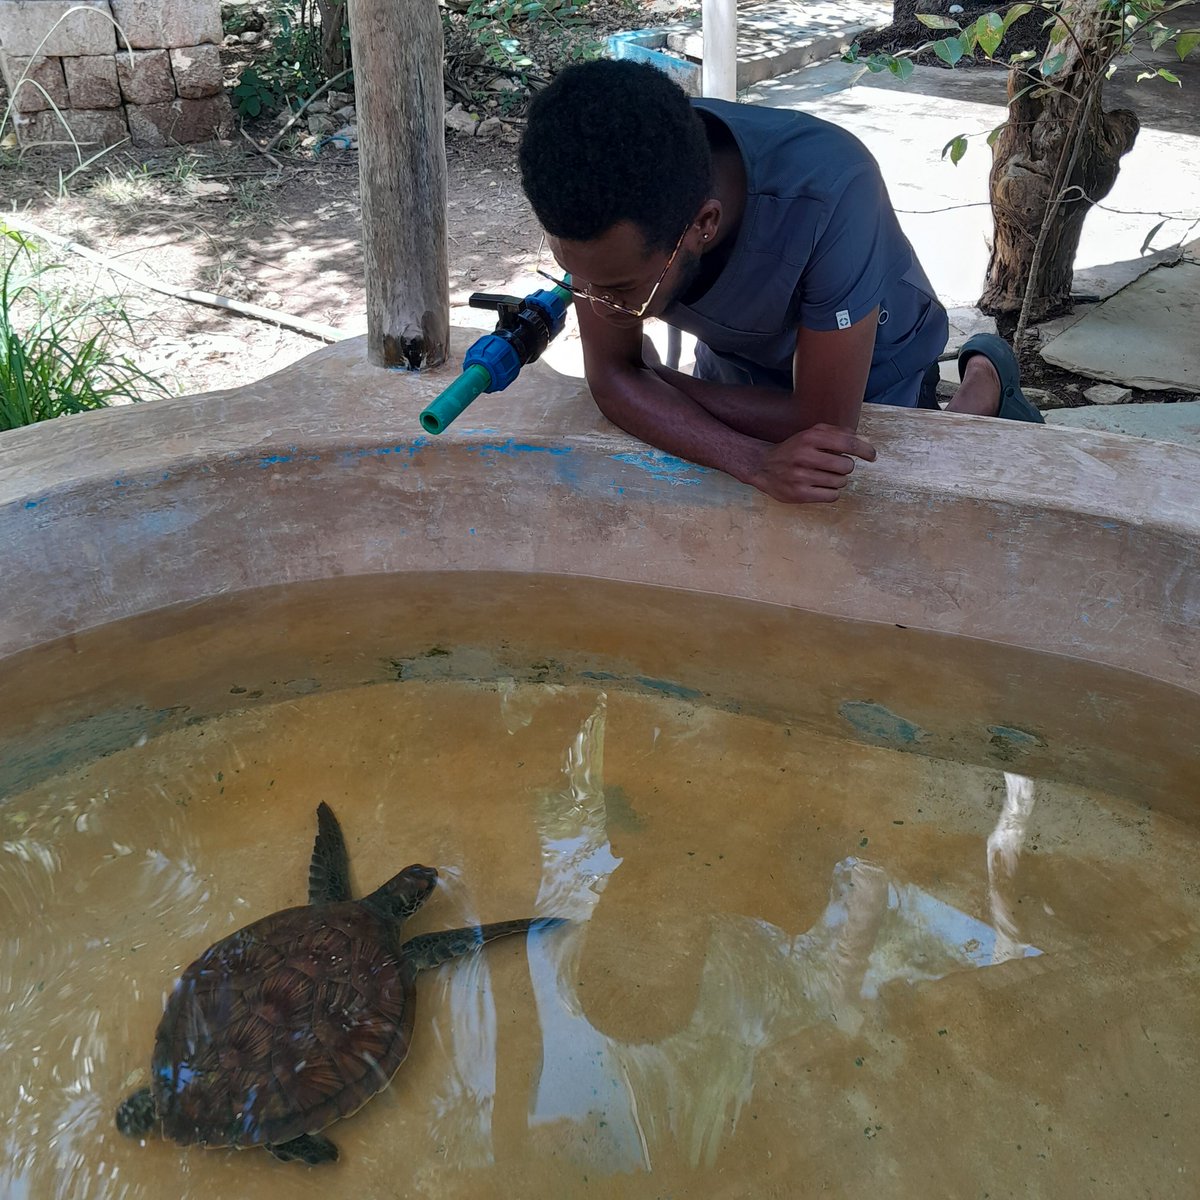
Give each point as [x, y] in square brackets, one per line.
[649, 407]
[769, 414]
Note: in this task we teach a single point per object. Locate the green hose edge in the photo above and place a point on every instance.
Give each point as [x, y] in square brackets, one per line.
[437, 416]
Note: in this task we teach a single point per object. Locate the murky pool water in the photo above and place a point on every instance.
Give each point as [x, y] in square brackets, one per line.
[795, 965]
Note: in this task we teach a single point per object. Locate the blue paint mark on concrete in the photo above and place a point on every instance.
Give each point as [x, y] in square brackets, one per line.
[675, 690]
[512, 447]
[665, 467]
[471, 532]
[270, 460]
[35, 503]
[873, 721]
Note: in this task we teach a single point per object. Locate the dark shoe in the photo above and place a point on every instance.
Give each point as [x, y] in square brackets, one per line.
[927, 396]
[1013, 404]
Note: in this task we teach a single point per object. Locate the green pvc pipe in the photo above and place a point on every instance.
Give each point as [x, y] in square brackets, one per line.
[450, 404]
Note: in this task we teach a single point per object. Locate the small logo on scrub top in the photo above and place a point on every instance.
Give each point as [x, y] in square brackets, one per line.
[843, 319]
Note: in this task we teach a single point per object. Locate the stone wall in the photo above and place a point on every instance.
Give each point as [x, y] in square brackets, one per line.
[157, 81]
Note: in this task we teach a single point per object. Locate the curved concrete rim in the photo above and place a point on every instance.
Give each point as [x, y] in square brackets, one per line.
[1065, 542]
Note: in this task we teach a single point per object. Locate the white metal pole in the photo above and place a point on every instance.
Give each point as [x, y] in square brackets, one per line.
[719, 73]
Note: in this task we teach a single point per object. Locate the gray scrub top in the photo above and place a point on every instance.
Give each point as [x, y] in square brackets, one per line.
[819, 246]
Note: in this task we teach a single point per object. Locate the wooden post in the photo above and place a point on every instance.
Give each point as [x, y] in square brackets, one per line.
[397, 51]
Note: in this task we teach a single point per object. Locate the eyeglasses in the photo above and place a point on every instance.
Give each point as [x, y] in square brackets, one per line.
[583, 293]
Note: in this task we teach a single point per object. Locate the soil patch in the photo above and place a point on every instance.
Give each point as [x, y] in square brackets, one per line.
[906, 32]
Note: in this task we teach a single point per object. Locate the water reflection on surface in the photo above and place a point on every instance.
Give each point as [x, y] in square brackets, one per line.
[760, 985]
[774, 946]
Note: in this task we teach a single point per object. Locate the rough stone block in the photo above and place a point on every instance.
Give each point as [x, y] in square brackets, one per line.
[151, 24]
[460, 121]
[92, 81]
[146, 77]
[197, 71]
[1108, 393]
[180, 122]
[24, 23]
[46, 72]
[103, 127]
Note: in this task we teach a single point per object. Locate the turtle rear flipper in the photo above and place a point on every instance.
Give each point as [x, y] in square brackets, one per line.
[310, 1148]
[329, 871]
[430, 950]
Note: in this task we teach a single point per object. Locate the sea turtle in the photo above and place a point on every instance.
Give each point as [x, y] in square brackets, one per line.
[284, 1027]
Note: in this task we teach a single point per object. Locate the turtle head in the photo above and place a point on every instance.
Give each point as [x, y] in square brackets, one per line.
[403, 894]
[135, 1115]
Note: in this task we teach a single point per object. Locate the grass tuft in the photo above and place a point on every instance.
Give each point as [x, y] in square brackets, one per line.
[55, 348]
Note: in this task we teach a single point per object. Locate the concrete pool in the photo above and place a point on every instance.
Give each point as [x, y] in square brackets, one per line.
[875, 823]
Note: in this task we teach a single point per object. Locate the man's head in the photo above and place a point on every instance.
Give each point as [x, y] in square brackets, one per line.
[616, 164]
[614, 141]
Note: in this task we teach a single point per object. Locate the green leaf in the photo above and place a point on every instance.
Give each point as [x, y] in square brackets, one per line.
[1186, 43]
[1163, 73]
[1160, 34]
[995, 134]
[902, 68]
[1150, 237]
[989, 29]
[956, 147]
[1015, 14]
[1022, 56]
[933, 21]
[1057, 33]
[1053, 65]
[949, 50]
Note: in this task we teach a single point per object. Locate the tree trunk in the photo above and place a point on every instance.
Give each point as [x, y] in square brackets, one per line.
[397, 49]
[333, 48]
[1032, 152]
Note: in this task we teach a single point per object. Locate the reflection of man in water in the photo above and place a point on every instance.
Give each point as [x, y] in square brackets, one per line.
[684, 1058]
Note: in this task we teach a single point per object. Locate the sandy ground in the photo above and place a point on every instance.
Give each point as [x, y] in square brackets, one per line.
[225, 220]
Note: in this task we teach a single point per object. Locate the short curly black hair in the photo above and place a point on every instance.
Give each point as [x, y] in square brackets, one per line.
[615, 141]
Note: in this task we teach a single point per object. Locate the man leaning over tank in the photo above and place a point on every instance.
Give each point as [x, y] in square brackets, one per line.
[769, 235]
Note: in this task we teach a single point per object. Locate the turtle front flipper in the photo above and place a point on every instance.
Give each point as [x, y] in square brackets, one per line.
[329, 872]
[310, 1148]
[430, 950]
[136, 1115]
